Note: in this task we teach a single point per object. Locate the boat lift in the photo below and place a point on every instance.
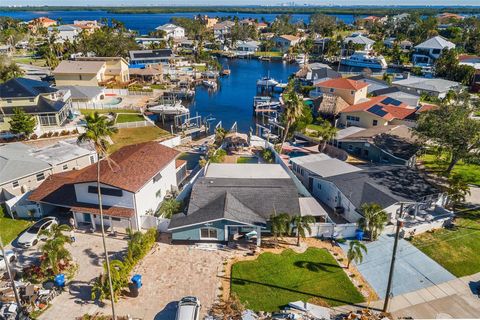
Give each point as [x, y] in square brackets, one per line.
[188, 125]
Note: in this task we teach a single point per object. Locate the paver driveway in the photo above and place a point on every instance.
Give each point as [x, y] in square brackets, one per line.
[413, 269]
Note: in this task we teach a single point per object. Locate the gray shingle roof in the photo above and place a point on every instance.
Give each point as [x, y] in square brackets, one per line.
[43, 105]
[437, 42]
[384, 185]
[249, 201]
[434, 85]
[83, 92]
[16, 162]
[24, 88]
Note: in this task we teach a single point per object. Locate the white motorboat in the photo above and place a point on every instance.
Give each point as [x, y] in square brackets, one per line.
[301, 59]
[209, 84]
[365, 59]
[267, 82]
[175, 109]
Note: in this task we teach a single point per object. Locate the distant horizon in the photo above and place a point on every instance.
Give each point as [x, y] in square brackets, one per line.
[240, 3]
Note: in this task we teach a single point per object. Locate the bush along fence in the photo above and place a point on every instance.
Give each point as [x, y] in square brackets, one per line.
[138, 246]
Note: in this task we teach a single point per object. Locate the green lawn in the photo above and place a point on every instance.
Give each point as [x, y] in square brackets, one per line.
[269, 54]
[127, 136]
[273, 280]
[456, 250]
[315, 127]
[247, 160]
[468, 172]
[30, 60]
[10, 228]
[131, 117]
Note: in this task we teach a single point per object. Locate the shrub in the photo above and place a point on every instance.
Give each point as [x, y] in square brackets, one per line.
[33, 136]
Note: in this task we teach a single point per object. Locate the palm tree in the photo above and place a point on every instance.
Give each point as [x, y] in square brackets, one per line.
[457, 191]
[280, 225]
[169, 207]
[98, 129]
[302, 224]
[374, 219]
[54, 250]
[354, 253]
[326, 132]
[293, 107]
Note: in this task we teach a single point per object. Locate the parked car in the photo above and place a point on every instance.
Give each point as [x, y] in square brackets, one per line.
[10, 257]
[188, 309]
[32, 235]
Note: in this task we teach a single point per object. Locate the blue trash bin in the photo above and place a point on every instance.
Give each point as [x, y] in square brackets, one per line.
[359, 235]
[137, 280]
[59, 280]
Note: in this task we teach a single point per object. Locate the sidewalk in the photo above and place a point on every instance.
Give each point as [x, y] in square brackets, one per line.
[452, 299]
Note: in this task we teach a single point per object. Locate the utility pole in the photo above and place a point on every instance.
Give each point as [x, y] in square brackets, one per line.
[392, 264]
[7, 265]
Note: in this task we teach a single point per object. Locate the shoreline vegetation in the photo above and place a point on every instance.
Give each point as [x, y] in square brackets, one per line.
[355, 10]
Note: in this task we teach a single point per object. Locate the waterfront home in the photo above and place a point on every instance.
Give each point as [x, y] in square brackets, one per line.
[81, 95]
[234, 200]
[40, 22]
[351, 91]
[404, 44]
[285, 41]
[133, 184]
[151, 56]
[145, 42]
[6, 49]
[222, 29]
[447, 17]
[79, 73]
[375, 111]
[373, 82]
[399, 17]
[392, 144]
[359, 41]
[172, 31]
[48, 105]
[89, 26]
[399, 94]
[149, 74]
[427, 52]
[116, 68]
[473, 61]
[314, 73]
[434, 87]
[65, 32]
[370, 20]
[386, 185]
[23, 168]
[246, 47]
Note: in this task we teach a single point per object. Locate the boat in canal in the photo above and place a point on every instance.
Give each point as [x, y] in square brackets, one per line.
[365, 59]
[267, 82]
[175, 108]
[301, 59]
[209, 84]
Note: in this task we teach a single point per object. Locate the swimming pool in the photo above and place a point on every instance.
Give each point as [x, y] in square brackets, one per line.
[113, 101]
[297, 153]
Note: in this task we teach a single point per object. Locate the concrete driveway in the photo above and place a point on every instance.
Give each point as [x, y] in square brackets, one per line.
[413, 269]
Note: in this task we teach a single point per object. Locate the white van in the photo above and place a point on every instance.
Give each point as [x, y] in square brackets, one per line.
[188, 309]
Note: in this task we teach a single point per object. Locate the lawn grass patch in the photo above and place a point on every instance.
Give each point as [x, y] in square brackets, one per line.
[130, 117]
[247, 160]
[273, 280]
[128, 136]
[470, 173]
[455, 249]
[39, 62]
[11, 228]
[314, 127]
[271, 54]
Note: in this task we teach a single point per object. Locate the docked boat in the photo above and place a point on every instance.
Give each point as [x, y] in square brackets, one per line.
[226, 72]
[171, 109]
[209, 84]
[301, 59]
[365, 59]
[267, 82]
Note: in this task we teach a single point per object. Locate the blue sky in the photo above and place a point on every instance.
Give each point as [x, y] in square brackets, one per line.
[236, 2]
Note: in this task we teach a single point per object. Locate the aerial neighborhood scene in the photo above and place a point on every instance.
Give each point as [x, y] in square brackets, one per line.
[227, 160]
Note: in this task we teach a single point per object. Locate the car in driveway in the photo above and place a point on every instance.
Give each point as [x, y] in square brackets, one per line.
[32, 235]
[10, 257]
[188, 309]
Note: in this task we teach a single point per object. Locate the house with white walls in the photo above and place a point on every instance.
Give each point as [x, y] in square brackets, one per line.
[133, 183]
[172, 31]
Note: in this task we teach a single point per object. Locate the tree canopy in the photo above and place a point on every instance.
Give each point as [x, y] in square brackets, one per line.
[22, 123]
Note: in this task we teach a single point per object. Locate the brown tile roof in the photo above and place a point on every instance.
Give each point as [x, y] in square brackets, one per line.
[132, 166]
[58, 189]
[427, 107]
[388, 111]
[343, 83]
[179, 163]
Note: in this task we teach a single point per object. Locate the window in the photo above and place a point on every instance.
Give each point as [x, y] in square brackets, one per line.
[65, 167]
[352, 118]
[106, 191]
[208, 233]
[436, 51]
[350, 147]
[40, 176]
[157, 177]
[80, 77]
[92, 159]
[332, 90]
[15, 184]
[352, 92]
[319, 186]
[374, 122]
[158, 194]
[9, 100]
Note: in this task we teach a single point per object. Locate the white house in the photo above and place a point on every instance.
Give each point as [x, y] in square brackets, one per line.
[133, 185]
[65, 32]
[428, 51]
[247, 47]
[172, 31]
[222, 29]
[434, 87]
[360, 40]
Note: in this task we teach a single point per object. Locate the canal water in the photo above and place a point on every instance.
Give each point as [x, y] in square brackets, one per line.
[233, 100]
[144, 23]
